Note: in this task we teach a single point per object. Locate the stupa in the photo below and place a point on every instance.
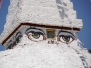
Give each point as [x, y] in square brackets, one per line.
[42, 34]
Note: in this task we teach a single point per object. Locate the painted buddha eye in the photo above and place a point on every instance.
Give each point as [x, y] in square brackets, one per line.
[9, 46]
[18, 37]
[65, 37]
[35, 35]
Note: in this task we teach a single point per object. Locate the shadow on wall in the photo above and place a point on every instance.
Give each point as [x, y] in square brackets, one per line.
[61, 9]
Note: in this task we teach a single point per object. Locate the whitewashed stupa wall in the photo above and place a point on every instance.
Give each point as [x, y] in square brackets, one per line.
[41, 54]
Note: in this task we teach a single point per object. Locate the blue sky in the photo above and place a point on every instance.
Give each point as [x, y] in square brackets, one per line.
[83, 9]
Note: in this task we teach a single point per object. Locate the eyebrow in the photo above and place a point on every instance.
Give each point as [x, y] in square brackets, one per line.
[19, 33]
[9, 42]
[66, 32]
[36, 32]
[34, 29]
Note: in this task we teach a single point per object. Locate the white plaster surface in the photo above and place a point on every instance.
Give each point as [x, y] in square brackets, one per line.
[29, 54]
[47, 12]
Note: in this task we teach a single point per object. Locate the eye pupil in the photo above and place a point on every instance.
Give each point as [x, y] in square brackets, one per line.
[66, 38]
[35, 35]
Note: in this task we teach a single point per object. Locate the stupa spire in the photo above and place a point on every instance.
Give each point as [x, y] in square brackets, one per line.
[57, 13]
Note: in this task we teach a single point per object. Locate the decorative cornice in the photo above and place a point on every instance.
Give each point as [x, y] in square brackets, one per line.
[39, 25]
